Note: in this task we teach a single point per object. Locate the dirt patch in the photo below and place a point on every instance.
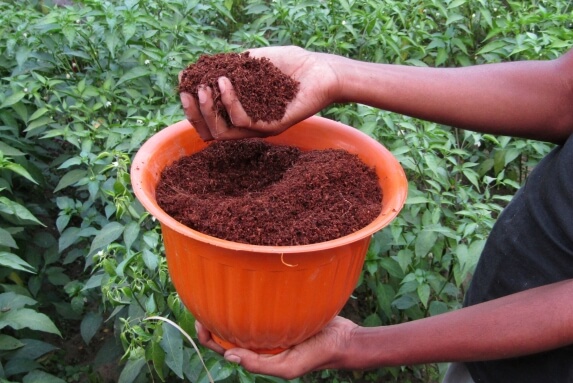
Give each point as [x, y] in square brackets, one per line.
[264, 91]
[251, 191]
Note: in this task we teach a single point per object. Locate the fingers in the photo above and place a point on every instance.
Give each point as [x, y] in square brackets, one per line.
[229, 98]
[202, 114]
[206, 340]
[275, 365]
[193, 114]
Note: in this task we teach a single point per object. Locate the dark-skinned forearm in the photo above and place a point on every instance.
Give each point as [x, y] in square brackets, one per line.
[532, 99]
[528, 322]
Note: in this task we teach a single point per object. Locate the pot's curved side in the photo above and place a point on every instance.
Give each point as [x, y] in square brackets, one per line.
[265, 302]
[265, 298]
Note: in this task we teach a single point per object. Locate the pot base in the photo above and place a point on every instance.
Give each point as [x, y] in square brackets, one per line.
[228, 345]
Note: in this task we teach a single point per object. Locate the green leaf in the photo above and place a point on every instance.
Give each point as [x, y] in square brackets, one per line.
[372, 320]
[131, 370]
[111, 41]
[10, 151]
[6, 239]
[456, 3]
[417, 199]
[28, 318]
[128, 30]
[158, 358]
[19, 169]
[68, 238]
[224, 11]
[404, 302]
[437, 308]
[15, 262]
[70, 178]
[38, 376]
[150, 259]
[8, 343]
[34, 349]
[133, 73]
[18, 211]
[424, 293]
[424, 242]
[38, 113]
[13, 301]
[172, 344]
[453, 18]
[90, 326]
[12, 99]
[40, 122]
[107, 235]
[404, 259]
[492, 46]
[130, 233]
[218, 370]
[385, 294]
[392, 267]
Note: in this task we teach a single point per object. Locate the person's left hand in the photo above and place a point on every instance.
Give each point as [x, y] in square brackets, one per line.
[319, 86]
[324, 350]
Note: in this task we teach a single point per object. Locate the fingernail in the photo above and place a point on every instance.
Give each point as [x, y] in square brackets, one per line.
[222, 85]
[185, 100]
[202, 96]
[233, 359]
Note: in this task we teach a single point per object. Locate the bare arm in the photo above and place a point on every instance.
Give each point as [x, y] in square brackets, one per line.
[528, 322]
[531, 99]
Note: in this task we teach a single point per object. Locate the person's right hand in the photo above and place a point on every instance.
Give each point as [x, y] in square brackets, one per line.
[319, 86]
[327, 349]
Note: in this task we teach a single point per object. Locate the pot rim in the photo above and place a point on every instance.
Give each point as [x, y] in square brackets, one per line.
[173, 132]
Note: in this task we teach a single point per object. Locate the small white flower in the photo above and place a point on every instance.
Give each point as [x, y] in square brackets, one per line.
[139, 122]
[477, 144]
[147, 62]
[68, 76]
[108, 104]
[473, 15]
[78, 21]
[25, 90]
[115, 164]
[99, 253]
[25, 34]
[153, 218]
[343, 22]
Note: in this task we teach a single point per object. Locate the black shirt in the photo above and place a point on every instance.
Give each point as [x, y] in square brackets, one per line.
[530, 245]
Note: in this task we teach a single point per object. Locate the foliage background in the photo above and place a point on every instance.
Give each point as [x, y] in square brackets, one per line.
[84, 85]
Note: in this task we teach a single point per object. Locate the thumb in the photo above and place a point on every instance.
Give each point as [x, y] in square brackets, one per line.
[260, 363]
[240, 356]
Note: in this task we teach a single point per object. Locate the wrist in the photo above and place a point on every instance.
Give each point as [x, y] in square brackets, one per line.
[336, 87]
[366, 349]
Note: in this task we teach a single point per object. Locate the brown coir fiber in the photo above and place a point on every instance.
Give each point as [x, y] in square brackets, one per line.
[263, 90]
[251, 191]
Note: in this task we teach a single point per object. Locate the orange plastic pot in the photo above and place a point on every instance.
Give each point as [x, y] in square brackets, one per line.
[265, 298]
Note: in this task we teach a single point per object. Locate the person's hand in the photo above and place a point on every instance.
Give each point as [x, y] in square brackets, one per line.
[319, 86]
[322, 351]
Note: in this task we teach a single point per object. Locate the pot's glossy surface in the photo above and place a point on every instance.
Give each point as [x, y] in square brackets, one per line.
[265, 298]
